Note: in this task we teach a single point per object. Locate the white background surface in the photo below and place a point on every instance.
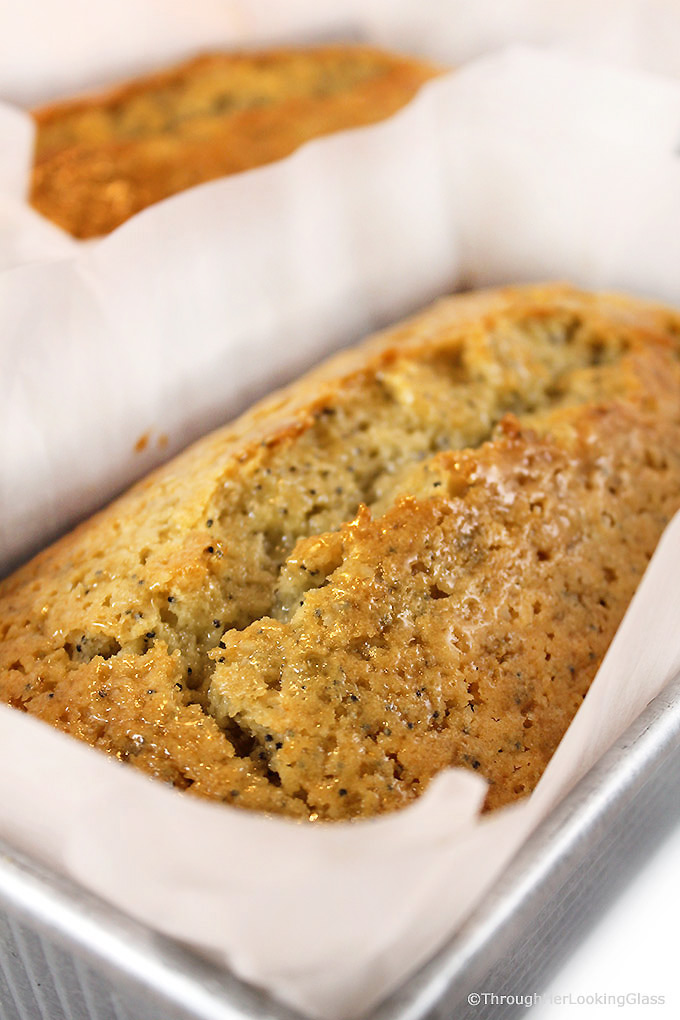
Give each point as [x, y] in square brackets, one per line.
[634, 948]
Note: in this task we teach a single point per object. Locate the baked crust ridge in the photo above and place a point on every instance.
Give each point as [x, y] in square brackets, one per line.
[415, 557]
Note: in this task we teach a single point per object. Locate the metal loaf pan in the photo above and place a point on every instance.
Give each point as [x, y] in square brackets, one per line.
[67, 955]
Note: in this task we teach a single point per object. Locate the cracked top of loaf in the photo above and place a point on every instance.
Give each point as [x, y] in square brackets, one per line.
[100, 159]
[413, 558]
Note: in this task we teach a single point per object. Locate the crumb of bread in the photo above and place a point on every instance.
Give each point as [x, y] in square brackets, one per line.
[414, 558]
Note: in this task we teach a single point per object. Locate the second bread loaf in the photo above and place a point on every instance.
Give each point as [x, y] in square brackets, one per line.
[101, 159]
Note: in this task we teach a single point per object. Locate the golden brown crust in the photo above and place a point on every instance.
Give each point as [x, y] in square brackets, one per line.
[241, 624]
[101, 159]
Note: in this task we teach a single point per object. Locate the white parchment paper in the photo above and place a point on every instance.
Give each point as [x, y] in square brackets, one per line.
[48, 50]
[522, 165]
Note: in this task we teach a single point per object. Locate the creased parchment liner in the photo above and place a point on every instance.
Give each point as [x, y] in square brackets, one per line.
[262, 273]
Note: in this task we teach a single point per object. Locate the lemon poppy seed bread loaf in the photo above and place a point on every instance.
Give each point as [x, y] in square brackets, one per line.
[99, 160]
[413, 558]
